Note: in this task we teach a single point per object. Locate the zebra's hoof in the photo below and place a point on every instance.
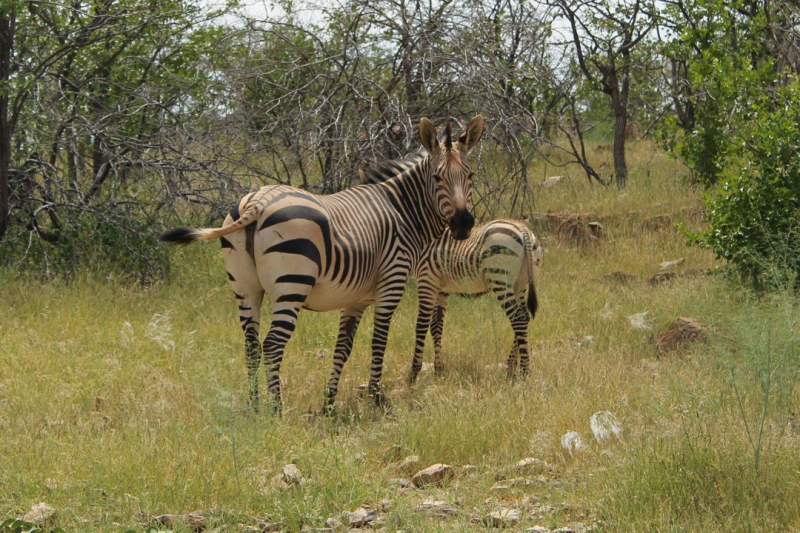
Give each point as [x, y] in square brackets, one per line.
[380, 398]
[329, 411]
[383, 402]
[277, 408]
[438, 371]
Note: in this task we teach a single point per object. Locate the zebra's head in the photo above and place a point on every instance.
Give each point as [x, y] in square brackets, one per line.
[451, 172]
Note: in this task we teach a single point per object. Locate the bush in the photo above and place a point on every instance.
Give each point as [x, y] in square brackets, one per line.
[108, 243]
[754, 212]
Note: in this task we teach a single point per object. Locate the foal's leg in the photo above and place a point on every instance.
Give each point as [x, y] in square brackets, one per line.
[437, 328]
[427, 303]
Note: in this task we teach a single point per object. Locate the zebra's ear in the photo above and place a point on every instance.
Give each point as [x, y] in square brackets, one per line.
[362, 178]
[427, 135]
[470, 138]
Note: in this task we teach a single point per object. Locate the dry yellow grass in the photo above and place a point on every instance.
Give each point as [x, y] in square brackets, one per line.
[118, 403]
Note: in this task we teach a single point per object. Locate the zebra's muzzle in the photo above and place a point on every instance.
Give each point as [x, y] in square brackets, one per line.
[461, 224]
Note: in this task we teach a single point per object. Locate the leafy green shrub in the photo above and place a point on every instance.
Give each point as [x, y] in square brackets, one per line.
[14, 525]
[120, 243]
[754, 212]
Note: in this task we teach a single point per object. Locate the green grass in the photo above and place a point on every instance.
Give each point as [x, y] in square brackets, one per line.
[117, 402]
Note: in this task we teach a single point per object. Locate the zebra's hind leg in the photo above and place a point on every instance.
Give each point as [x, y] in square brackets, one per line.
[284, 319]
[512, 360]
[513, 309]
[348, 324]
[437, 328]
[427, 305]
[249, 295]
[520, 326]
[520, 318]
[249, 316]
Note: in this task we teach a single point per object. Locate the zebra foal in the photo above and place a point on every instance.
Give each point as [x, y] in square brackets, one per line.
[500, 257]
[342, 251]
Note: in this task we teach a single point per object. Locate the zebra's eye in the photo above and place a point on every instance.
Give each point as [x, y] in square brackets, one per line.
[437, 177]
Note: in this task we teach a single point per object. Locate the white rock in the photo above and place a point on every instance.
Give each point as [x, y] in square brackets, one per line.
[292, 474]
[503, 518]
[666, 265]
[436, 507]
[39, 513]
[532, 464]
[361, 517]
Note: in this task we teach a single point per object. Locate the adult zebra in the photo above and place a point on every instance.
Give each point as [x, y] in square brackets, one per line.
[343, 251]
[499, 256]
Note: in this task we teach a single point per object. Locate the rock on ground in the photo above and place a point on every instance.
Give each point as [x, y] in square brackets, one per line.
[361, 517]
[292, 474]
[531, 465]
[436, 507]
[503, 518]
[433, 475]
[39, 514]
[399, 482]
[666, 265]
[683, 332]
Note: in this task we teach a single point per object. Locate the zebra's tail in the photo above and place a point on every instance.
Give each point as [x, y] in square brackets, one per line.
[189, 235]
[530, 259]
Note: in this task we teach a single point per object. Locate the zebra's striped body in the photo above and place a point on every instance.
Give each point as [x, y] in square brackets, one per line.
[343, 251]
[500, 257]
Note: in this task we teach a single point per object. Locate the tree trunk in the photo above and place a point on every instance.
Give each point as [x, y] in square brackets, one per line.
[6, 42]
[620, 121]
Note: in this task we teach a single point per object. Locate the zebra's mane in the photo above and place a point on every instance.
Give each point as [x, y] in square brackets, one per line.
[386, 170]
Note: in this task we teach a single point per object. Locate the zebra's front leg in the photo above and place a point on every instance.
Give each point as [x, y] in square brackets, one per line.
[437, 328]
[427, 303]
[386, 302]
[348, 324]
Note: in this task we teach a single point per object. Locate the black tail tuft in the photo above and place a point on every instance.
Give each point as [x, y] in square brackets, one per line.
[533, 300]
[179, 236]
